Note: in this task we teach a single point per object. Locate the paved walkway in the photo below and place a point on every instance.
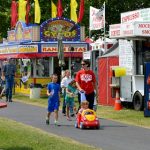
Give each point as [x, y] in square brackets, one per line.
[111, 136]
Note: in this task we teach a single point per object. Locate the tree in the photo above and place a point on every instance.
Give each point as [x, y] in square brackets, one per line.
[113, 10]
[4, 17]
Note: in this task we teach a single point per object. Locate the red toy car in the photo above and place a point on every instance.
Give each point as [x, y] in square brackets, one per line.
[87, 119]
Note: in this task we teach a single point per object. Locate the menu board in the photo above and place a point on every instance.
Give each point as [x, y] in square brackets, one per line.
[126, 55]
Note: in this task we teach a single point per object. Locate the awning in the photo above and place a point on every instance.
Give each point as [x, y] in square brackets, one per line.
[39, 55]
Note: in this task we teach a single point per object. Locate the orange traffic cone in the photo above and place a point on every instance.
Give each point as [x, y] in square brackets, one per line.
[118, 105]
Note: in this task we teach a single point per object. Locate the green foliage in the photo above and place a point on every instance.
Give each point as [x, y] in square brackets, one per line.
[16, 136]
[113, 10]
[4, 17]
[128, 116]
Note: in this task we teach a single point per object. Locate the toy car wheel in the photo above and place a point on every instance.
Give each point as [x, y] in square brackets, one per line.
[81, 126]
[76, 124]
[98, 127]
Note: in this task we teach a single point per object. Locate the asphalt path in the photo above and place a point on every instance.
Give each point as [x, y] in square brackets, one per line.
[111, 135]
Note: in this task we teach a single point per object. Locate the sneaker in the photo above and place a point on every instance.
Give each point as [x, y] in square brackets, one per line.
[6, 99]
[72, 115]
[64, 114]
[56, 123]
[47, 121]
[10, 100]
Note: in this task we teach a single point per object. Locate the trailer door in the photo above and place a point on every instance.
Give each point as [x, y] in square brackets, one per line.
[125, 88]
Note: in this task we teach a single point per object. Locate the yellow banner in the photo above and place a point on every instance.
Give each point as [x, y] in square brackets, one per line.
[37, 12]
[73, 5]
[22, 10]
[54, 10]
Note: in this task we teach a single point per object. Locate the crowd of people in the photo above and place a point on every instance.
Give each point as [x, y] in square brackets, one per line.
[83, 86]
[83, 83]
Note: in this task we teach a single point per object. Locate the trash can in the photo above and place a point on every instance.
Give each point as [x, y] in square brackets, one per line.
[35, 90]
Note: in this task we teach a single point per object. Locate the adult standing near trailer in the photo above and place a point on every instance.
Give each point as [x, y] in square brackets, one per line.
[64, 83]
[86, 82]
[8, 71]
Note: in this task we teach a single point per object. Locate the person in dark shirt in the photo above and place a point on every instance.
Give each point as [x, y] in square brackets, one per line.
[8, 71]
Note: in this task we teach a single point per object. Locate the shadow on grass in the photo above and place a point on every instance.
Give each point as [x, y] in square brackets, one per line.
[17, 148]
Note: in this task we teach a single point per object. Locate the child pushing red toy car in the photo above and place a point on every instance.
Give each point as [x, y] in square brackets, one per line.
[86, 118]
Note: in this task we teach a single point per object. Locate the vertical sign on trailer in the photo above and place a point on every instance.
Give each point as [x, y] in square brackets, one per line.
[147, 90]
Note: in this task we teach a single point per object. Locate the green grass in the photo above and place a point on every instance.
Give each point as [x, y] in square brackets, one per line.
[16, 136]
[125, 115]
[128, 116]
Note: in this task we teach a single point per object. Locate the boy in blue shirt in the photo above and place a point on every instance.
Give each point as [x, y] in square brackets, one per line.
[53, 92]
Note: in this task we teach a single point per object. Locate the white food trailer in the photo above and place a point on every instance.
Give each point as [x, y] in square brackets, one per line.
[134, 49]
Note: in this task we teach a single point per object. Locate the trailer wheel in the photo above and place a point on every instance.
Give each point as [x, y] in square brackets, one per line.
[138, 101]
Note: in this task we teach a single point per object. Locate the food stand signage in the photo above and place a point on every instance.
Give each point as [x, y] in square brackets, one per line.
[142, 29]
[114, 30]
[96, 18]
[137, 15]
[133, 24]
[22, 33]
[27, 34]
[12, 49]
[19, 31]
[11, 36]
[126, 55]
[135, 29]
[28, 48]
[50, 29]
[3, 50]
[9, 49]
[67, 48]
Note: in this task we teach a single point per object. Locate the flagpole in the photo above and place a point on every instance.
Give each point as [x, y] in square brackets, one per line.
[89, 28]
[89, 24]
[89, 33]
[104, 30]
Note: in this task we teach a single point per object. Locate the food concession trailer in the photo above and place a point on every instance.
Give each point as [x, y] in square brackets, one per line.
[134, 50]
[35, 51]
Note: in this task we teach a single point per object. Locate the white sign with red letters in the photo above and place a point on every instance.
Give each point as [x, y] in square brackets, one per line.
[135, 29]
[136, 15]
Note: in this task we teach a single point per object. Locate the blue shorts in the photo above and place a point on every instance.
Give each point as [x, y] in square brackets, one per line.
[52, 105]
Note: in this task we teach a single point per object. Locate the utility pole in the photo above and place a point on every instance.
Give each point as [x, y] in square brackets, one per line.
[60, 51]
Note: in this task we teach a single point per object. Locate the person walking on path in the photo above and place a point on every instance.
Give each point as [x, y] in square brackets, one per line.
[69, 99]
[53, 92]
[2, 86]
[64, 83]
[8, 72]
[86, 82]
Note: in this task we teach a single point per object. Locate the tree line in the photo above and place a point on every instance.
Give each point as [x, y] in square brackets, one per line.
[113, 10]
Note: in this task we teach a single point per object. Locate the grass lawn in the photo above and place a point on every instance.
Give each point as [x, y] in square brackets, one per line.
[125, 115]
[17, 136]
